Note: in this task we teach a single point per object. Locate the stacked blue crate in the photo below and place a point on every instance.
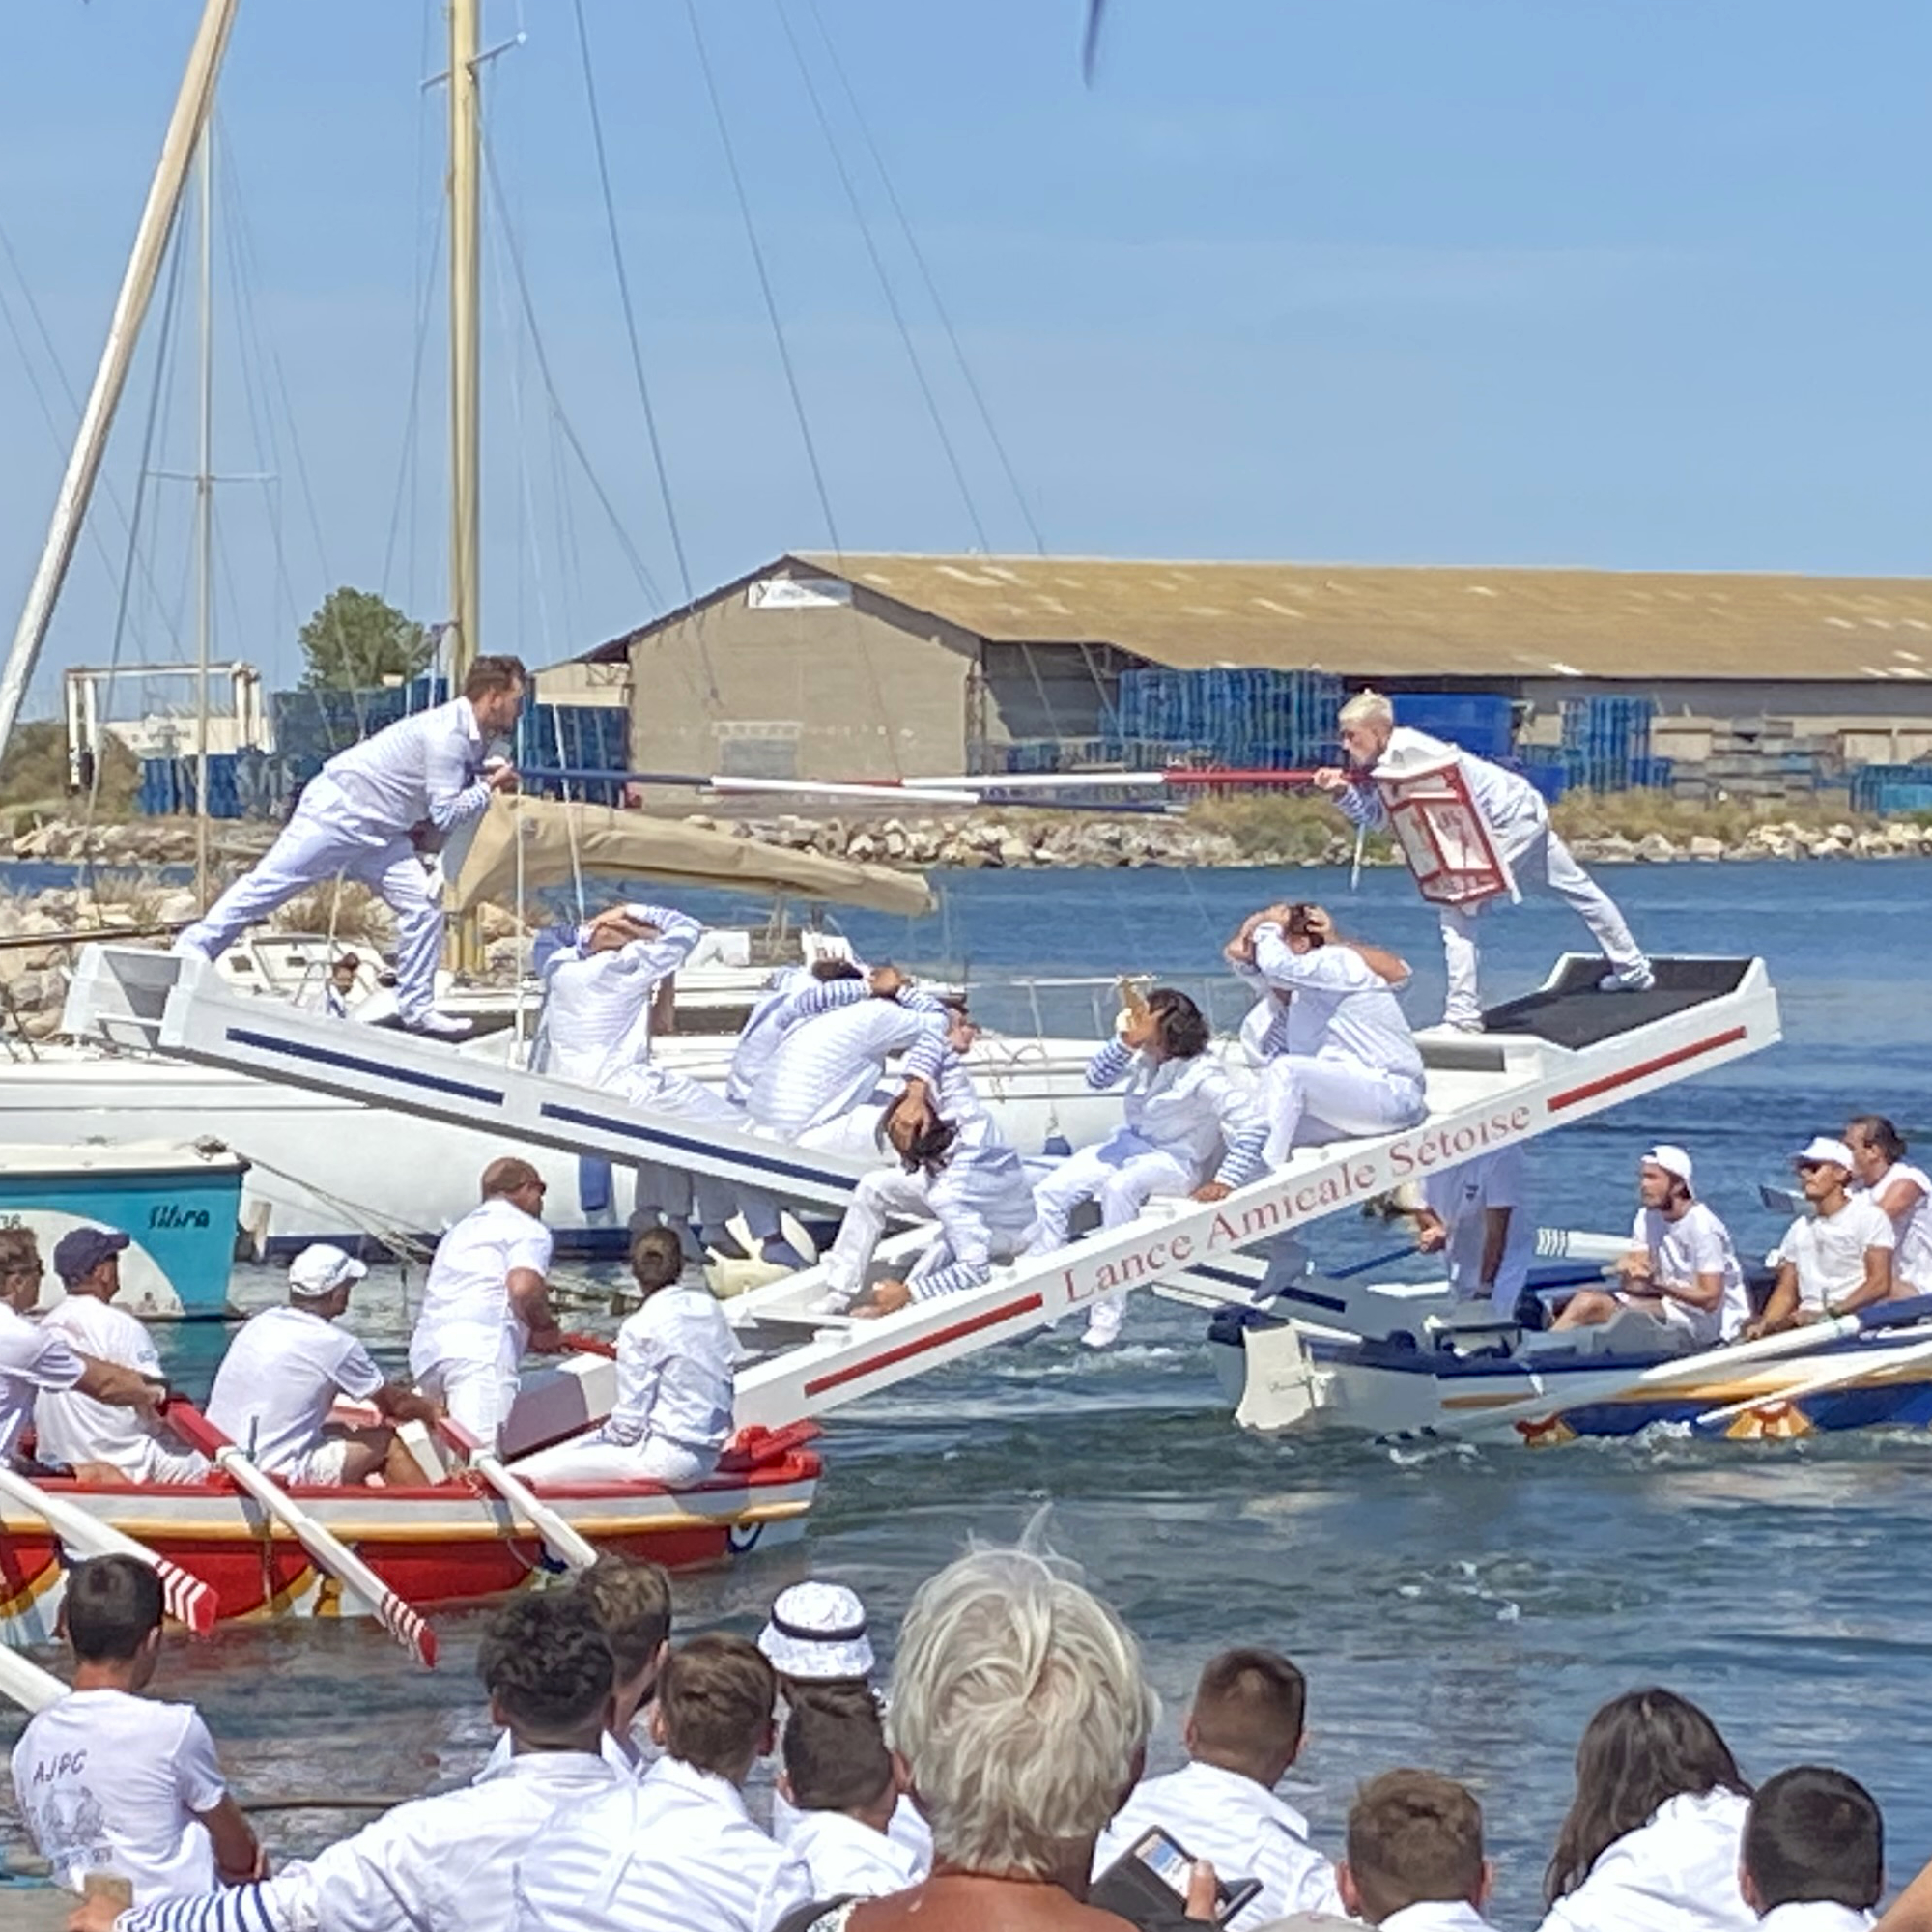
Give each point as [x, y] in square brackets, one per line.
[1478, 722]
[1889, 790]
[580, 738]
[1607, 742]
[1268, 718]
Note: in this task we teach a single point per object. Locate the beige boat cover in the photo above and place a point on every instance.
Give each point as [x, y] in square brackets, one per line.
[560, 838]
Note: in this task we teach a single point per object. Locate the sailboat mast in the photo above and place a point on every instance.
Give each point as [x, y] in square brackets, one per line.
[465, 373]
[204, 512]
[137, 288]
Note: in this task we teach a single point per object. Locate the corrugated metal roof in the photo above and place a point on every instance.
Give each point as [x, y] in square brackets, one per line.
[1399, 622]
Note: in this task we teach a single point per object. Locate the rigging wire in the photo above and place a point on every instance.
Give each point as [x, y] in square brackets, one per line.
[886, 289]
[927, 276]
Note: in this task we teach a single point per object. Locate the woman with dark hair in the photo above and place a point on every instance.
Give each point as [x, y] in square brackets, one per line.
[1651, 1838]
[1189, 1126]
[1902, 1191]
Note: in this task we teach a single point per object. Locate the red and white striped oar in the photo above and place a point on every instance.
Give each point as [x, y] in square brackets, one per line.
[568, 1545]
[187, 1598]
[326, 1550]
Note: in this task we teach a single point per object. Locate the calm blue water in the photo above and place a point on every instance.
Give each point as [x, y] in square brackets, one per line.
[1455, 1609]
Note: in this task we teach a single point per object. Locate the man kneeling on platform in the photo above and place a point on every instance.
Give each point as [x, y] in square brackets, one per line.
[284, 1371]
[1682, 1270]
[672, 1416]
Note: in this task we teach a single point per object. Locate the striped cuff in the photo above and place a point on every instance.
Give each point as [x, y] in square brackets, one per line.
[1247, 1159]
[961, 1275]
[925, 1056]
[1110, 1064]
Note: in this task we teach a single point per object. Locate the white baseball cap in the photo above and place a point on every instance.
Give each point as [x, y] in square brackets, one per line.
[818, 1631]
[1825, 1148]
[321, 1269]
[1671, 1159]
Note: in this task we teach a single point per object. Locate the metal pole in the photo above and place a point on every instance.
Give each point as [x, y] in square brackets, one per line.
[204, 514]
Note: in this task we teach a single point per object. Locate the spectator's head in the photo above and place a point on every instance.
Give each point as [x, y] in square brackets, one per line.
[516, 1181]
[657, 1260]
[112, 1615]
[1019, 1715]
[495, 687]
[1179, 1030]
[1412, 1837]
[547, 1666]
[321, 1278]
[1639, 1751]
[715, 1700]
[630, 1600]
[88, 1260]
[1249, 1708]
[1875, 1145]
[836, 1757]
[344, 971]
[1813, 1835]
[816, 1634]
[1365, 723]
[20, 1268]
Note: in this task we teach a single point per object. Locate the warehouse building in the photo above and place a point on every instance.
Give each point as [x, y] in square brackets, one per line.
[828, 667]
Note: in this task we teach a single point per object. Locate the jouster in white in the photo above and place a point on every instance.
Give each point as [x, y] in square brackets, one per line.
[1678, 1872]
[484, 1303]
[774, 1014]
[1240, 1828]
[676, 1853]
[1519, 824]
[1477, 1216]
[845, 1857]
[372, 813]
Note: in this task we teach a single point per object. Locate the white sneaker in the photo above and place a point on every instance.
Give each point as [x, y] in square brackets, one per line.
[1464, 1023]
[437, 1026]
[1637, 979]
[833, 1303]
[1104, 1324]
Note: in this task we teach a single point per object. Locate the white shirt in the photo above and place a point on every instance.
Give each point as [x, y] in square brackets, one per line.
[1694, 1244]
[31, 1358]
[466, 1316]
[770, 1019]
[1437, 1915]
[279, 1379]
[1460, 1198]
[426, 767]
[1240, 1828]
[1829, 1250]
[74, 1428]
[109, 1783]
[1677, 1873]
[1815, 1914]
[597, 1006]
[1342, 1007]
[674, 1372]
[677, 1853]
[826, 1065]
[846, 1858]
[1194, 1109]
[1913, 1262]
[626, 1758]
[1507, 800]
[906, 1828]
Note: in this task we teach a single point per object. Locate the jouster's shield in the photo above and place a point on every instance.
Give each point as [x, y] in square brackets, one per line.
[1445, 840]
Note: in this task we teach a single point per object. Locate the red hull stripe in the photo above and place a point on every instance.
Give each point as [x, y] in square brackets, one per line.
[1558, 1101]
[991, 1319]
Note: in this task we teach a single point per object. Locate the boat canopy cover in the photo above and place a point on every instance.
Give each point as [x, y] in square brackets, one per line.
[558, 839]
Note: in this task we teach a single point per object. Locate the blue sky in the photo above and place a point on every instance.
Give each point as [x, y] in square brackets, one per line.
[1632, 283]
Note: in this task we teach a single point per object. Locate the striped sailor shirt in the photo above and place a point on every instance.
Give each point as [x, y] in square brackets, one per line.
[597, 1006]
[426, 767]
[830, 1062]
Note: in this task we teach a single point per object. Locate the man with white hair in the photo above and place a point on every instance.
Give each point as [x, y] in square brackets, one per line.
[1837, 1259]
[283, 1372]
[378, 813]
[1682, 1270]
[1519, 824]
[1340, 1060]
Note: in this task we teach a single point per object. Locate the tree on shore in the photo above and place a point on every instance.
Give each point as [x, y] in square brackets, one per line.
[358, 641]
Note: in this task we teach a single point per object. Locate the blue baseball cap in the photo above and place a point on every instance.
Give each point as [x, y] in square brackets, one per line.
[82, 1250]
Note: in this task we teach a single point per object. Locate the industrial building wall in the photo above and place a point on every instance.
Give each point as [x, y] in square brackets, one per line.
[1048, 691]
[770, 683]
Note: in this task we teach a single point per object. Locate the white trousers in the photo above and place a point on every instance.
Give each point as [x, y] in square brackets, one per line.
[657, 1459]
[889, 1195]
[1539, 859]
[673, 1191]
[855, 1132]
[325, 837]
[981, 1221]
[1123, 1173]
[1312, 1100]
[478, 1395]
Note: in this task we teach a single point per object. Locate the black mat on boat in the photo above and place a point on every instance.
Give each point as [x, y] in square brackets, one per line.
[1572, 1013]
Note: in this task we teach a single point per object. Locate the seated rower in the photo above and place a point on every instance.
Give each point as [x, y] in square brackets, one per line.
[284, 1371]
[1682, 1271]
[1341, 1061]
[35, 1359]
[1190, 1128]
[1476, 1215]
[1837, 1259]
[977, 1192]
[672, 1416]
[1903, 1191]
[88, 1436]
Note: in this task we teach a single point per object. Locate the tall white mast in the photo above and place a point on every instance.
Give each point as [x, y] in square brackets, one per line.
[130, 307]
[204, 514]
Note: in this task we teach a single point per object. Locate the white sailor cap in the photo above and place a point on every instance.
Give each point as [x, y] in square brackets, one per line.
[1822, 1149]
[817, 1631]
[321, 1268]
[1671, 1159]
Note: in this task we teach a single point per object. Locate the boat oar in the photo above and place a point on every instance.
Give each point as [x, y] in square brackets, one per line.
[569, 1545]
[27, 1684]
[326, 1550]
[1547, 1402]
[1818, 1384]
[591, 1345]
[188, 1600]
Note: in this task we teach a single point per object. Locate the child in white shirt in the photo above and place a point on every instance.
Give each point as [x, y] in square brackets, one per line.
[840, 1784]
[1416, 1858]
[1813, 1856]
